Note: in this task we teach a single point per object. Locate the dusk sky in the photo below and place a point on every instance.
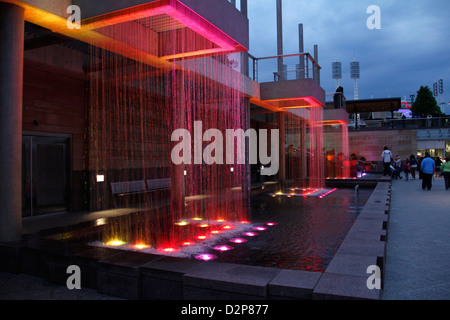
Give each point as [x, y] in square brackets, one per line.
[411, 49]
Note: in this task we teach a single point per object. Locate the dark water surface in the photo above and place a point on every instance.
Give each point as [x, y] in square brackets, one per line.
[308, 230]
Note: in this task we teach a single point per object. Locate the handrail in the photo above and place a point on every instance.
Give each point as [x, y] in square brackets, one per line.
[261, 69]
[288, 56]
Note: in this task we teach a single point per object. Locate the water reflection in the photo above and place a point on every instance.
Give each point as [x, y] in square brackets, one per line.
[308, 230]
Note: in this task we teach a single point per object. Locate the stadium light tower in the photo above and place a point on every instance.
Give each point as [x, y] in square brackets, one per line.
[336, 69]
[355, 75]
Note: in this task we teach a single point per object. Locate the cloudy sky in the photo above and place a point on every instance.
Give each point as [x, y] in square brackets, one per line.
[411, 49]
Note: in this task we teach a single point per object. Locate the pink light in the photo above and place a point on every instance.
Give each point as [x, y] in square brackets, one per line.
[250, 234]
[270, 224]
[260, 228]
[238, 240]
[327, 193]
[205, 257]
[223, 248]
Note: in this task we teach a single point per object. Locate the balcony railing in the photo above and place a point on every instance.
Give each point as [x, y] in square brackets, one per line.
[285, 67]
[395, 124]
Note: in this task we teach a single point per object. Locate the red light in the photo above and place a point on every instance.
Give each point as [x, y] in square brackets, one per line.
[168, 250]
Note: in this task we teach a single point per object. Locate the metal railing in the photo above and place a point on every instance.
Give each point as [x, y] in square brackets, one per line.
[395, 124]
[285, 67]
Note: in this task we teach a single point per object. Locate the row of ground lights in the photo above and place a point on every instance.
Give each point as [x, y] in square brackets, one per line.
[223, 248]
[141, 246]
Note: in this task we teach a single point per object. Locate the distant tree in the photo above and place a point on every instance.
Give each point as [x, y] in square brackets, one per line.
[425, 104]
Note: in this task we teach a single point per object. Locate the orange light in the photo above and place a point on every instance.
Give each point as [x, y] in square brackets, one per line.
[140, 246]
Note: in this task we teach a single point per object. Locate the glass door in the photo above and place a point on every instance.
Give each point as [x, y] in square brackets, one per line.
[45, 168]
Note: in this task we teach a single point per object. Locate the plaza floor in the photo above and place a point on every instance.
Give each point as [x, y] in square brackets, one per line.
[418, 246]
[417, 258]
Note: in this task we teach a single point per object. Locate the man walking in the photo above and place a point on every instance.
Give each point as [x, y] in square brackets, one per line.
[387, 156]
[428, 168]
[445, 169]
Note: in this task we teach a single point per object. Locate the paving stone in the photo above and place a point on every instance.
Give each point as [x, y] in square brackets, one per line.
[293, 284]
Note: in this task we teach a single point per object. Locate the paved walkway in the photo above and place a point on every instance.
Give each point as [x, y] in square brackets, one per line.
[26, 287]
[418, 246]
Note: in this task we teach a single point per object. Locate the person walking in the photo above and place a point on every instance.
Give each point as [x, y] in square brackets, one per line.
[413, 166]
[445, 169]
[387, 157]
[406, 168]
[398, 166]
[428, 167]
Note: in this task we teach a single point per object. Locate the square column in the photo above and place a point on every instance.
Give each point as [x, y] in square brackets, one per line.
[11, 87]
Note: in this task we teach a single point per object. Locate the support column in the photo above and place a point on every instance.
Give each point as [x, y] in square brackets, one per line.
[316, 70]
[11, 86]
[244, 55]
[280, 39]
[282, 143]
[301, 49]
[178, 187]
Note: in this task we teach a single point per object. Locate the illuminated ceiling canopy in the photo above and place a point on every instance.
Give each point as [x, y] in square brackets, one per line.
[162, 21]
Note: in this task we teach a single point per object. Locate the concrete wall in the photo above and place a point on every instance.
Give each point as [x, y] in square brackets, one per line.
[58, 7]
[292, 89]
[54, 101]
[335, 114]
[370, 144]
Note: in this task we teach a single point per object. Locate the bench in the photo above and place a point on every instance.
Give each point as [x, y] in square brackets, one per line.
[127, 188]
[138, 187]
[158, 184]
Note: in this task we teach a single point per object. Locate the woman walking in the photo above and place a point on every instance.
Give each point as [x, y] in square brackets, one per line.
[406, 168]
[413, 166]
